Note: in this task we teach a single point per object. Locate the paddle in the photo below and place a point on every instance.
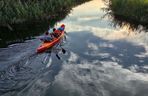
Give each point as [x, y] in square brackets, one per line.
[58, 56]
[64, 51]
[65, 32]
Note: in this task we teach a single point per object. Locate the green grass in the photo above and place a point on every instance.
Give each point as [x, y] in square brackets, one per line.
[130, 10]
[18, 11]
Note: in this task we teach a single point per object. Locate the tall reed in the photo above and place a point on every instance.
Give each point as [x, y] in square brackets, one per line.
[16, 11]
[135, 11]
[21, 20]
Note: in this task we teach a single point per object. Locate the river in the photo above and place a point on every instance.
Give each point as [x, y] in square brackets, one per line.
[101, 60]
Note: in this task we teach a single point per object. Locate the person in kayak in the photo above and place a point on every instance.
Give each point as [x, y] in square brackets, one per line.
[51, 30]
[46, 37]
[56, 33]
[62, 27]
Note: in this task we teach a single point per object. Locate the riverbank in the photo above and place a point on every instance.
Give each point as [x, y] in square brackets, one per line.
[21, 20]
[18, 11]
[134, 12]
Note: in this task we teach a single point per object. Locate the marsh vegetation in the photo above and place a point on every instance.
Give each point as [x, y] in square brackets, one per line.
[23, 19]
[132, 12]
[18, 11]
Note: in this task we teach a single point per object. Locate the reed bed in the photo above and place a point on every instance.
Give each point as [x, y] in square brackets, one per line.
[134, 11]
[18, 11]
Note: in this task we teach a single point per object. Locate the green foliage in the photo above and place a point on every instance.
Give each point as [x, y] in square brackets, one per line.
[16, 11]
[133, 12]
[133, 9]
[21, 20]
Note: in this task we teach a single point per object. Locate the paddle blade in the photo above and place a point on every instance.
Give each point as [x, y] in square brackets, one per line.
[58, 56]
[64, 51]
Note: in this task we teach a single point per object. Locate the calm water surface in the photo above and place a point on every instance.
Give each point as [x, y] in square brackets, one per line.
[100, 61]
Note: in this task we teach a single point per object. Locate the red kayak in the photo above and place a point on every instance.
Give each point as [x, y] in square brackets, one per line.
[46, 45]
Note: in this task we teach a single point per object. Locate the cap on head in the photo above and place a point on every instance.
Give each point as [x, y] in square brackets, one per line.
[63, 25]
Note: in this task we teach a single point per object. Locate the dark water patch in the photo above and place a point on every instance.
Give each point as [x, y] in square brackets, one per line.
[19, 75]
[43, 81]
[15, 78]
[24, 69]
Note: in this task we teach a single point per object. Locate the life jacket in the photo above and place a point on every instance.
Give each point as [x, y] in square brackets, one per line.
[61, 28]
[56, 33]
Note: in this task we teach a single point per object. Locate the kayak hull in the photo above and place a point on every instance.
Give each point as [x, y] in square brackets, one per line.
[47, 45]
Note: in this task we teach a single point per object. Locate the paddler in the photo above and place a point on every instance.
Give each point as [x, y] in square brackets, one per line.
[62, 27]
[56, 33]
[46, 37]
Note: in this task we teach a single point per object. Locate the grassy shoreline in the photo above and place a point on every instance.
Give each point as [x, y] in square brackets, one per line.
[18, 26]
[18, 11]
[134, 12]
